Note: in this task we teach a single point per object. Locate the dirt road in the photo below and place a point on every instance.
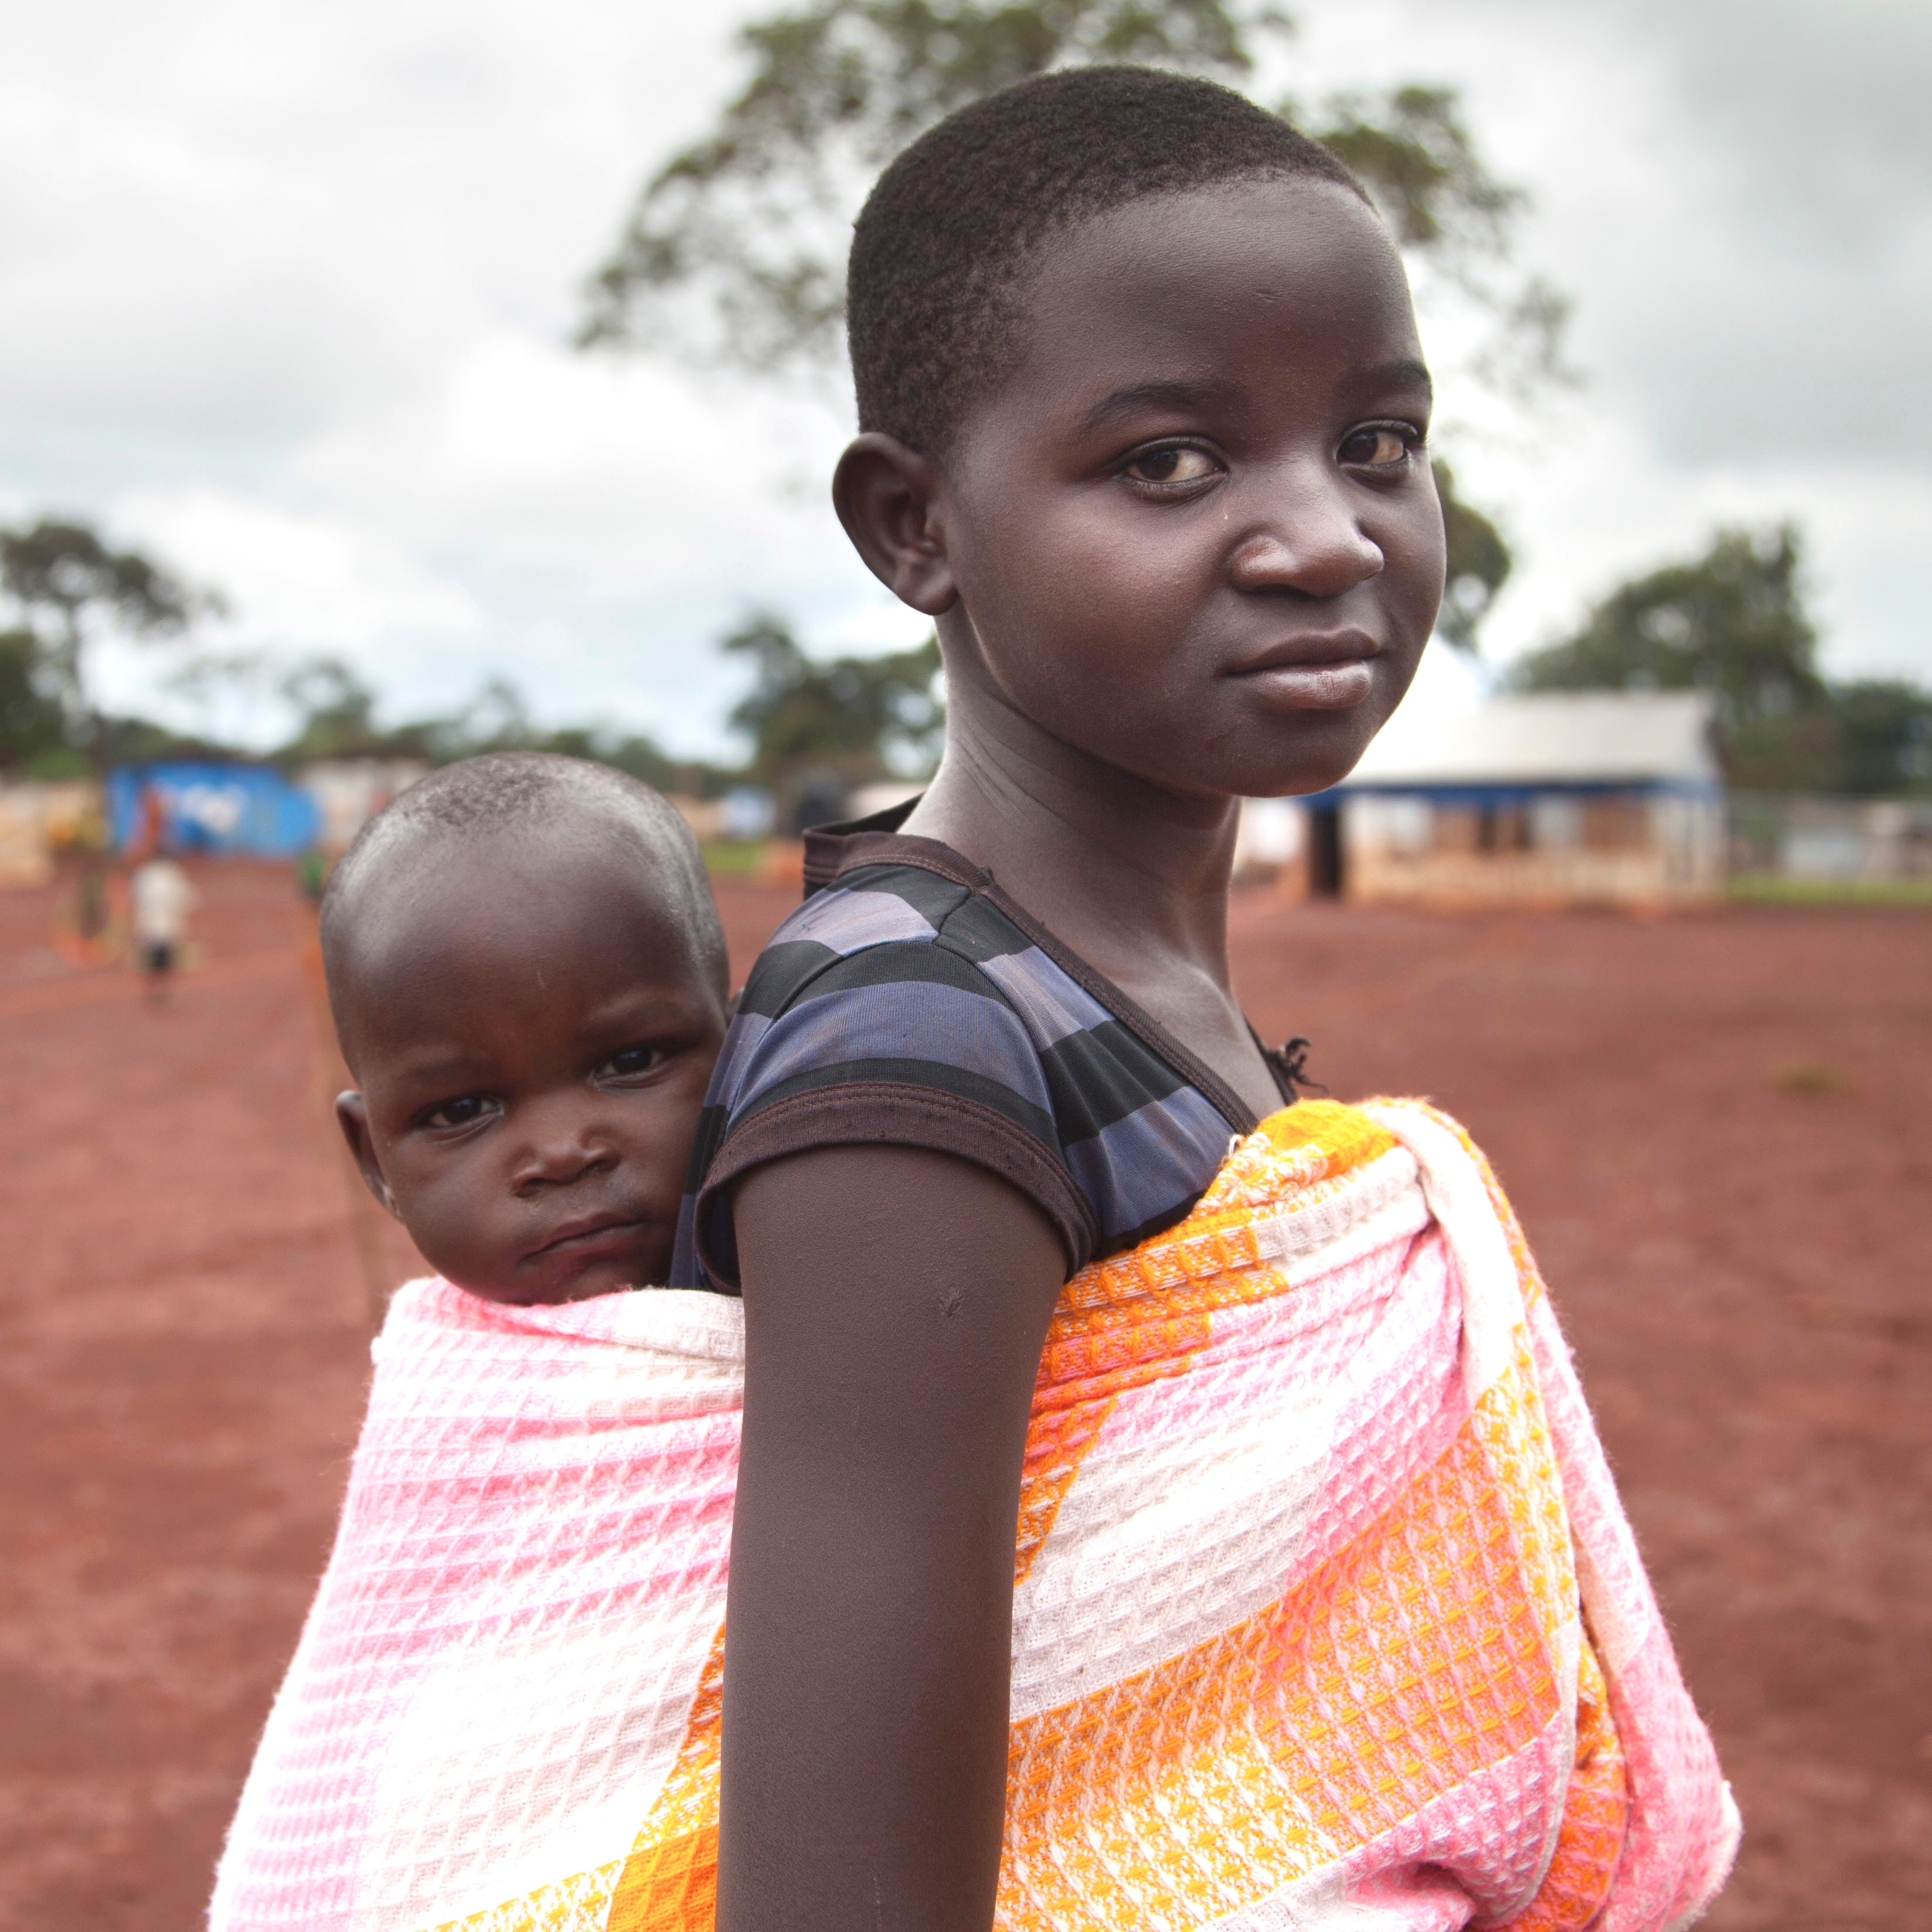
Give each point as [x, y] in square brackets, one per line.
[1718, 1130]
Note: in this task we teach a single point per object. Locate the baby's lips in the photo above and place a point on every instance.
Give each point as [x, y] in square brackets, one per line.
[586, 1235]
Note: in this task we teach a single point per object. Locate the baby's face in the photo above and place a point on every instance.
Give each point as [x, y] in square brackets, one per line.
[1195, 534]
[533, 1039]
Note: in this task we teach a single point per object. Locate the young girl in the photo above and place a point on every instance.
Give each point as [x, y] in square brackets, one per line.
[1301, 1487]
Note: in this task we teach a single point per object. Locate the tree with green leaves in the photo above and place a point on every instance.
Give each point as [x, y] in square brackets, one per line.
[337, 715]
[71, 585]
[1479, 564]
[336, 718]
[33, 728]
[1885, 737]
[735, 249]
[860, 718]
[1733, 621]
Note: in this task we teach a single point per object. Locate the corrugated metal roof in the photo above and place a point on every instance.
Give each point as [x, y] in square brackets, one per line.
[1593, 737]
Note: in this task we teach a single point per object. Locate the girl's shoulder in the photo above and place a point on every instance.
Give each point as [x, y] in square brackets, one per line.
[907, 1002]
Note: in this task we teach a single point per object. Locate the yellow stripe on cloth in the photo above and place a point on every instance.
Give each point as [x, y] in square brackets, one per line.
[669, 1882]
[1416, 1656]
[671, 1879]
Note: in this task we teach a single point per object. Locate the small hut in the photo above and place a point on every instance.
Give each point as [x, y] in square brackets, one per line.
[1592, 798]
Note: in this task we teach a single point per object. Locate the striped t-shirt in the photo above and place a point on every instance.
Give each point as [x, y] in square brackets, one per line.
[909, 1002]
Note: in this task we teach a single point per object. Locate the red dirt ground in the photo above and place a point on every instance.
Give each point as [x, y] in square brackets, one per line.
[1718, 1130]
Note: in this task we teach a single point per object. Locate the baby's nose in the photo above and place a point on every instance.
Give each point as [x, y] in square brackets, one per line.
[559, 1151]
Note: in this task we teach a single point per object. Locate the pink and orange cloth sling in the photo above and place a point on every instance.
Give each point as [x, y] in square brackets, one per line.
[1326, 1613]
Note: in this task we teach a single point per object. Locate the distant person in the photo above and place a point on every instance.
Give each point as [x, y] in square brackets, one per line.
[312, 873]
[162, 898]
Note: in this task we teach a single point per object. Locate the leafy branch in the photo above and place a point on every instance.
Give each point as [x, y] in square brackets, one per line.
[734, 252]
[751, 219]
[69, 585]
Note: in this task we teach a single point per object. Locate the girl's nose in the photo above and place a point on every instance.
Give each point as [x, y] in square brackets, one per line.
[1312, 541]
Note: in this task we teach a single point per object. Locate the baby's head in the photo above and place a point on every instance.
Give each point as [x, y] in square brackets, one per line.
[529, 982]
[1143, 416]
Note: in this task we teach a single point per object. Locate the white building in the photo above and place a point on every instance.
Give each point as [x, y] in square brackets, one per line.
[1558, 798]
[349, 791]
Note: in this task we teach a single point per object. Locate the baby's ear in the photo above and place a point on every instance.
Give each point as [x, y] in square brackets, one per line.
[352, 1116]
[884, 492]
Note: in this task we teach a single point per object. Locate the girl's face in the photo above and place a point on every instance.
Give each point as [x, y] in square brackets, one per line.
[1195, 534]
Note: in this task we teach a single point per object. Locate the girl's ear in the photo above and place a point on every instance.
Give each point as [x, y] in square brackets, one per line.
[352, 1116]
[885, 494]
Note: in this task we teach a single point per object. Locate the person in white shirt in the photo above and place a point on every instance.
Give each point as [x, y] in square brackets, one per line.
[163, 898]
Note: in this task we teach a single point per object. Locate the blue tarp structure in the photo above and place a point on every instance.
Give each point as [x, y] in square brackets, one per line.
[213, 808]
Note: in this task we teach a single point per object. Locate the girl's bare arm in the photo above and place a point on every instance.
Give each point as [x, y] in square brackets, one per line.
[895, 1302]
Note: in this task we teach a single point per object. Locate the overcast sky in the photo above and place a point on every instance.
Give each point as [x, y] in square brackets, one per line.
[285, 293]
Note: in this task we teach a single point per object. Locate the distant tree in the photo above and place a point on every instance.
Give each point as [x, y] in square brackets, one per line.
[858, 717]
[754, 215]
[496, 719]
[217, 682]
[336, 712]
[1731, 622]
[1786, 750]
[336, 718]
[735, 249]
[1479, 564]
[636, 753]
[33, 727]
[141, 741]
[69, 585]
[1885, 737]
[1871, 739]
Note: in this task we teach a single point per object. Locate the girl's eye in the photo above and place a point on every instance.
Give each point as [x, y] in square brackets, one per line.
[1381, 446]
[633, 1061]
[464, 1112]
[1174, 463]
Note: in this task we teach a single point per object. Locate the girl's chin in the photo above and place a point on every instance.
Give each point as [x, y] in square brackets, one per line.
[1305, 752]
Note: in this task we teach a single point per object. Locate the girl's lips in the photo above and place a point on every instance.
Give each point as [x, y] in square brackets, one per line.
[1337, 684]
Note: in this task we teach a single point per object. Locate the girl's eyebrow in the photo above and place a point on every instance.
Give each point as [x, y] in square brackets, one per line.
[1171, 394]
[1406, 369]
[1177, 393]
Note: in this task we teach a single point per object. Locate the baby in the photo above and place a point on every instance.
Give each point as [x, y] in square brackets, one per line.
[528, 979]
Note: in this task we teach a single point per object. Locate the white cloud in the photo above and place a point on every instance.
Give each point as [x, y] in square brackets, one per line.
[285, 294]
[1740, 199]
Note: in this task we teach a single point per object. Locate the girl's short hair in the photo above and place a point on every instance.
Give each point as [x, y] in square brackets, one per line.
[949, 237]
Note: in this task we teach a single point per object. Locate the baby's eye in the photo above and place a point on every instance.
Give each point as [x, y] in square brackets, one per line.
[631, 1062]
[1172, 463]
[464, 1111]
[1379, 446]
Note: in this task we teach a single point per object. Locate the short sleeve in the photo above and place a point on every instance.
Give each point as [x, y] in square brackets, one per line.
[902, 1043]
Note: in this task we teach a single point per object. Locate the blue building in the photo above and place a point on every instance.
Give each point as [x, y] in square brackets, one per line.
[208, 807]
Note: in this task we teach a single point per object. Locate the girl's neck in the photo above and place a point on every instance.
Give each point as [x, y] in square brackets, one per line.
[1133, 877]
